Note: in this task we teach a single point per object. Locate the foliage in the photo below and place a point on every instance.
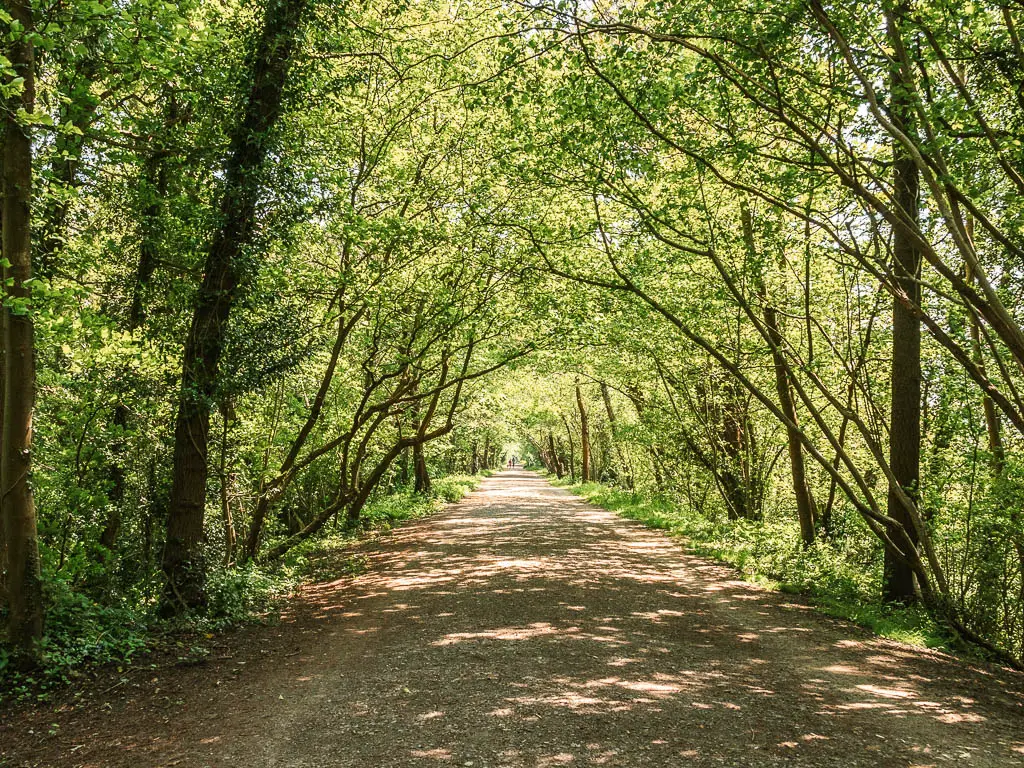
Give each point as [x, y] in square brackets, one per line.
[668, 236]
[238, 595]
[454, 487]
[81, 633]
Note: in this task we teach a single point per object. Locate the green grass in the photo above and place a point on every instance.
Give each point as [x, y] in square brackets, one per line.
[769, 554]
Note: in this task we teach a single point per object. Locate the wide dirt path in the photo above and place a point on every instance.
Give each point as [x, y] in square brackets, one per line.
[523, 627]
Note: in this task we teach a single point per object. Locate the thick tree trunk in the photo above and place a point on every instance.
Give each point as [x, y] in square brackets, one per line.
[420, 474]
[585, 472]
[905, 415]
[223, 276]
[24, 587]
[419, 467]
[805, 508]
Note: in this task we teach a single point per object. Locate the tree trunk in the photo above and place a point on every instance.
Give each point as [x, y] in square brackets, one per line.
[606, 395]
[556, 464]
[156, 186]
[421, 476]
[733, 438]
[659, 476]
[585, 472]
[572, 451]
[223, 276]
[24, 586]
[805, 508]
[403, 466]
[905, 415]
[419, 466]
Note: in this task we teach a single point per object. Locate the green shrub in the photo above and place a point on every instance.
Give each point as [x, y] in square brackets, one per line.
[455, 487]
[386, 511]
[79, 632]
[235, 595]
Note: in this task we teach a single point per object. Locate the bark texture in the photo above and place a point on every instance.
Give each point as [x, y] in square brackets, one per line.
[419, 467]
[905, 414]
[24, 588]
[223, 276]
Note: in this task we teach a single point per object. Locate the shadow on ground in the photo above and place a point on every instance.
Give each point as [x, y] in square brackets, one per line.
[523, 627]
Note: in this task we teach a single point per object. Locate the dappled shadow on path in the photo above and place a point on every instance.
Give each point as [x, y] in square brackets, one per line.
[524, 628]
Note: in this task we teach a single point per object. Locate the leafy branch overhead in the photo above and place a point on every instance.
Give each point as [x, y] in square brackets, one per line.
[269, 267]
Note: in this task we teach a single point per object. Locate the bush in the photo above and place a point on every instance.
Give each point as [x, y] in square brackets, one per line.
[79, 633]
[455, 487]
[239, 594]
[386, 511]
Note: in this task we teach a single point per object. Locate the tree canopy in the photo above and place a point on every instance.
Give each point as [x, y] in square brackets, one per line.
[268, 264]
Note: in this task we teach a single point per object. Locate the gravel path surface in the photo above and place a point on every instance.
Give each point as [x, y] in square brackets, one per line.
[523, 627]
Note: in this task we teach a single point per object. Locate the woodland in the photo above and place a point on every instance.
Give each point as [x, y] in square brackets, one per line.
[277, 272]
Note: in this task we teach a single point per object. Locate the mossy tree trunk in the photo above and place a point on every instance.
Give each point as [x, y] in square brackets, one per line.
[24, 585]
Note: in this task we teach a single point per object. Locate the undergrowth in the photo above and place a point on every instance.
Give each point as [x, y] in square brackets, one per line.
[840, 582]
[83, 634]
